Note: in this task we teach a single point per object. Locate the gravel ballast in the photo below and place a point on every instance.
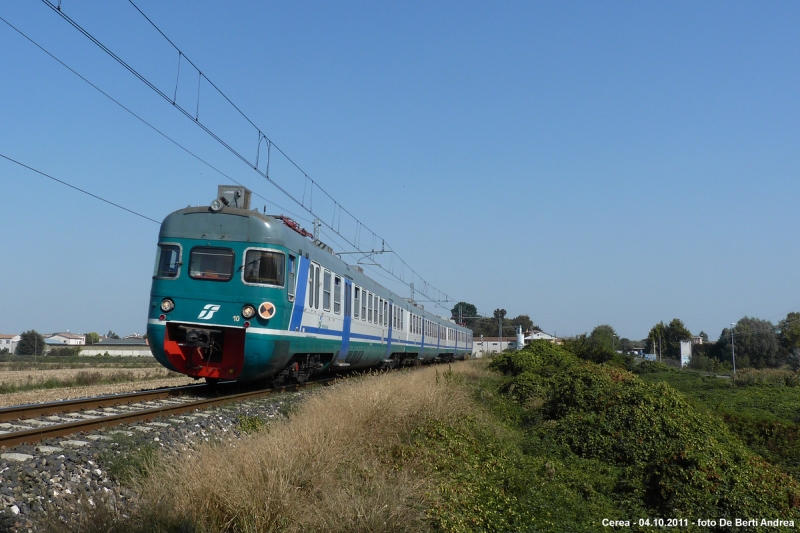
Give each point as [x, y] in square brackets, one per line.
[59, 472]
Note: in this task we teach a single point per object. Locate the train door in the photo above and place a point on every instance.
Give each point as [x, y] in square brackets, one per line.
[300, 294]
[313, 316]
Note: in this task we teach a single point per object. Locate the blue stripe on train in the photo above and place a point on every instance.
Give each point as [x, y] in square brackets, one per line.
[299, 295]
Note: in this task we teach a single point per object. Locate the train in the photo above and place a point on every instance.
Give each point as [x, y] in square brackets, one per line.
[243, 296]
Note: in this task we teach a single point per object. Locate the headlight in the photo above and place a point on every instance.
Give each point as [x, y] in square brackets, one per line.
[248, 311]
[167, 305]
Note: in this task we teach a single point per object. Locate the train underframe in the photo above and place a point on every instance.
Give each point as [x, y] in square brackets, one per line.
[211, 352]
[217, 353]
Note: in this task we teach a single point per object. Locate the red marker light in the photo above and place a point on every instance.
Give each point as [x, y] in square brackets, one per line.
[162, 317]
[247, 324]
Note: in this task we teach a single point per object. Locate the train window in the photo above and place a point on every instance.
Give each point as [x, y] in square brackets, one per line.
[316, 287]
[291, 274]
[168, 261]
[348, 303]
[363, 304]
[370, 308]
[375, 310]
[380, 312]
[356, 302]
[337, 295]
[263, 267]
[385, 313]
[214, 264]
[326, 291]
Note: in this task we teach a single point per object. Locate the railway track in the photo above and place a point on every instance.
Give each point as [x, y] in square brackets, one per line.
[28, 424]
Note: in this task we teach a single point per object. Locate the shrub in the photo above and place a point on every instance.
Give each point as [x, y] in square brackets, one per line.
[673, 457]
[652, 367]
[766, 377]
[535, 356]
[64, 352]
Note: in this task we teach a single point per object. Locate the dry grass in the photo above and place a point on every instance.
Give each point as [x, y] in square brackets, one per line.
[330, 467]
[22, 378]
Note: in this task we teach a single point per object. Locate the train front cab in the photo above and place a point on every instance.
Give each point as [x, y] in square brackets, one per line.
[214, 304]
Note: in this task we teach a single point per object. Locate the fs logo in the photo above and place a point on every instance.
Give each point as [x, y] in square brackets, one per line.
[208, 311]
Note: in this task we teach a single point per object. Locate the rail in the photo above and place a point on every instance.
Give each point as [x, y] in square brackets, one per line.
[33, 435]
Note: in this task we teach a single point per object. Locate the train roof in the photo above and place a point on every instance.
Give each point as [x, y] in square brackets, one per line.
[244, 225]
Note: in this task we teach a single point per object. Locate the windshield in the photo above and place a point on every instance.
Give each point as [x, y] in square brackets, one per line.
[264, 267]
[211, 263]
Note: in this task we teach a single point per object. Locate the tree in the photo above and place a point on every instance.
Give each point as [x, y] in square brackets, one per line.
[675, 333]
[655, 338]
[595, 347]
[668, 337]
[467, 312]
[30, 343]
[756, 343]
[789, 336]
[92, 338]
[499, 313]
[602, 338]
[112, 335]
[703, 335]
[524, 321]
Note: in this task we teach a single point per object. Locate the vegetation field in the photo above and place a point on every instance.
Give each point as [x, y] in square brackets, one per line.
[537, 440]
[24, 373]
[762, 407]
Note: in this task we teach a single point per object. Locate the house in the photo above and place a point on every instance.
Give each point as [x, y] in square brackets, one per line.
[485, 345]
[538, 335]
[128, 347]
[67, 338]
[9, 341]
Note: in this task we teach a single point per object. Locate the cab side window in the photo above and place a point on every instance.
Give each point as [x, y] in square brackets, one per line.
[168, 261]
[290, 270]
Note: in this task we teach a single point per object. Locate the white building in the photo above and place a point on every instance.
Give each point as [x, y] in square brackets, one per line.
[540, 336]
[9, 341]
[69, 339]
[133, 347]
[487, 345]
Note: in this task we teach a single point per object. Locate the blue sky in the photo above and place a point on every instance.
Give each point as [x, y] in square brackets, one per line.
[583, 163]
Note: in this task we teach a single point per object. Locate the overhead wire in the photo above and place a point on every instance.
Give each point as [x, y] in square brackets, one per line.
[81, 190]
[148, 124]
[425, 286]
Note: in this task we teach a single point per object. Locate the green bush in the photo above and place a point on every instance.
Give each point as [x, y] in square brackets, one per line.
[669, 456]
[535, 356]
[650, 367]
[64, 352]
[767, 377]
